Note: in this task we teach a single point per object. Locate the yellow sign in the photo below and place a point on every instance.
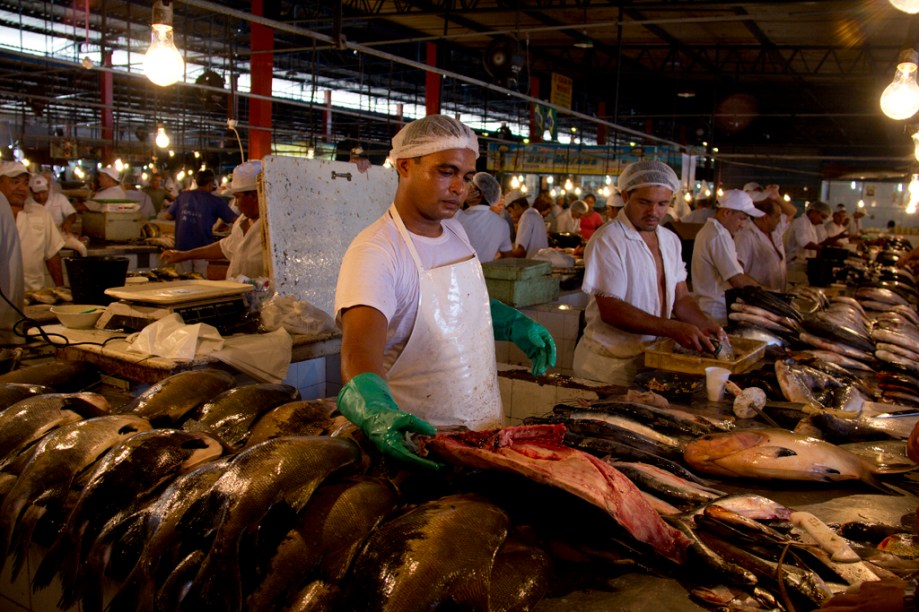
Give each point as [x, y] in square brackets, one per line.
[561, 90]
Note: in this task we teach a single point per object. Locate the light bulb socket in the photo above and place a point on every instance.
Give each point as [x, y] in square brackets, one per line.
[162, 13]
[908, 56]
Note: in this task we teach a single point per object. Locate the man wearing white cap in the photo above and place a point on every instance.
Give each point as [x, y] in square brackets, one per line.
[110, 188]
[38, 236]
[760, 251]
[60, 209]
[636, 280]
[418, 328]
[488, 233]
[244, 246]
[13, 185]
[714, 256]
[614, 204]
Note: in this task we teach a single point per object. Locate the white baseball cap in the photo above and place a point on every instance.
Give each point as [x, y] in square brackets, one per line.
[614, 199]
[245, 176]
[111, 172]
[512, 196]
[38, 183]
[735, 199]
[755, 191]
[12, 169]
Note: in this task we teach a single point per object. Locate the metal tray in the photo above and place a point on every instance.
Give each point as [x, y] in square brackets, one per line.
[178, 292]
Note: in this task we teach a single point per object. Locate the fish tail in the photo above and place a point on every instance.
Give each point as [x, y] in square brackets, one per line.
[21, 540]
[50, 565]
[874, 482]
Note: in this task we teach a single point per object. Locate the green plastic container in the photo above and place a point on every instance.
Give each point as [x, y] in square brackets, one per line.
[520, 282]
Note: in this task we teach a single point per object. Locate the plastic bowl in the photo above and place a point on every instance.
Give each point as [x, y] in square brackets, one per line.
[75, 316]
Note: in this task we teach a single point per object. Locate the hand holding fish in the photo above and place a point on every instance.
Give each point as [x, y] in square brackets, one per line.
[689, 336]
[884, 595]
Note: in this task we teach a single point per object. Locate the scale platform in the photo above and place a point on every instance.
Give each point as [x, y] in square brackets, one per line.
[218, 303]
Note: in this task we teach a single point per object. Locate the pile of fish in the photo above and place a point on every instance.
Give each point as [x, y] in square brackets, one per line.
[51, 296]
[201, 494]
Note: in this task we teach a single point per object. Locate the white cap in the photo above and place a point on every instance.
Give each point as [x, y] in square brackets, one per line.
[245, 176]
[12, 169]
[614, 199]
[512, 196]
[755, 191]
[38, 183]
[735, 199]
[111, 172]
[648, 173]
[432, 134]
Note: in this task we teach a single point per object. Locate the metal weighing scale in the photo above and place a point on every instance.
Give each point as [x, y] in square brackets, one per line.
[218, 303]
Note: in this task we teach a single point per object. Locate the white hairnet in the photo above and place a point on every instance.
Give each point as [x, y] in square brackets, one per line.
[648, 173]
[488, 186]
[580, 207]
[432, 134]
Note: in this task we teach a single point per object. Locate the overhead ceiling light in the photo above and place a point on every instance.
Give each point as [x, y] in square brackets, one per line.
[901, 98]
[907, 6]
[163, 63]
[686, 94]
[584, 42]
[162, 138]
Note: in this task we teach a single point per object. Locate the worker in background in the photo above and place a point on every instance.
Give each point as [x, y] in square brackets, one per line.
[38, 236]
[761, 253]
[591, 221]
[569, 220]
[159, 196]
[13, 179]
[802, 240]
[614, 204]
[532, 233]
[855, 224]
[147, 210]
[488, 233]
[636, 280]
[705, 210]
[839, 224]
[62, 211]
[244, 246]
[195, 212]
[109, 182]
[418, 329]
[715, 267]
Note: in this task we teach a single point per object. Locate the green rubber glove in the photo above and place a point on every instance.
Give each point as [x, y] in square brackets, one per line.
[367, 402]
[529, 336]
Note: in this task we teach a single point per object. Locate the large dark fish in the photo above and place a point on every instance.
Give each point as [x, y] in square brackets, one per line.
[704, 562]
[229, 416]
[604, 426]
[119, 483]
[538, 453]
[423, 559]
[662, 483]
[45, 481]
[837, 331]
[274, 472]
[521, 574]
[300, 418]
[172, 398]
[668, 419]
[62, 376]
[10, 393]
[769, 301]
[28, 420]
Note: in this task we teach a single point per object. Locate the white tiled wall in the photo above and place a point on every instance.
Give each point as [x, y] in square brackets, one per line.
[315, 378]
[562, 321]
[522, 398]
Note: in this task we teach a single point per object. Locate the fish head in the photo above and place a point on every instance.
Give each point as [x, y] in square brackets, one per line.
[713, 447]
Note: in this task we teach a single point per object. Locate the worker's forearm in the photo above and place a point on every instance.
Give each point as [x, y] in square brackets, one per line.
[742, 280]
[363, 342]
[686, 309]
[55, 269]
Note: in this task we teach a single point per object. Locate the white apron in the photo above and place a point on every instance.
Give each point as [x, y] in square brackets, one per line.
[447, 374]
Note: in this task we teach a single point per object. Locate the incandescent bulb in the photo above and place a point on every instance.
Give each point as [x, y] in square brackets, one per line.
[568, 185]
[162, 138]
[901, 98]
[515, 182]
[687, 197]
[907, 6]
[163, 63]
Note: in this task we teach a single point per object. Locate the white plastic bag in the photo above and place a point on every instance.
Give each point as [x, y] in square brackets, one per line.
[296, 316]
[264, 357]
[170, 337]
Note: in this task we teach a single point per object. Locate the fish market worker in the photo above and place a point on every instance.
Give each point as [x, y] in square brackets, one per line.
[715, 266]
[243, 247]
[636, 280]
[418, 329]
[11, 272]
[803, 240]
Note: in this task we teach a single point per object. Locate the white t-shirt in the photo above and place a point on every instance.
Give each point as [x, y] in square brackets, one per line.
[378, 271]
[40, 241]
[762, 257]
[800, 233]
[531, 232]
[619, 264]
[244, 250]
[11, 273]
[58, 206]
[565, 223]
[714, 261]
[832, 229]
[487, 232]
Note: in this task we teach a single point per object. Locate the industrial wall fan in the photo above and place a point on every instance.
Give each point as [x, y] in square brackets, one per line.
[215, 101]
[504, 59]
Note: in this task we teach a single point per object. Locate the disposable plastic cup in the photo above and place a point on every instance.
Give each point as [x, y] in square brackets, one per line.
[715, 378]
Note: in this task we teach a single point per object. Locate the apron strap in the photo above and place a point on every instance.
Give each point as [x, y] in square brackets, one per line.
[403, 231]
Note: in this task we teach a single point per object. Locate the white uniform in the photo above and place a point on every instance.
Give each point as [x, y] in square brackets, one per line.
[109, 193]
[565, 223]
[762, 256]
[487, 232]
[59, 207]
[619, 264]
[699, 215]
[531, 232]
[40, 241]
[833, 229]
[800, 233]
[439, 354]
[244, 249]
[714, 261]
[11, 273]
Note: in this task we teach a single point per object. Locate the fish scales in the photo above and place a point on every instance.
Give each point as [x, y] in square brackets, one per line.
[520, 576]
[299, 418]
[893, 337]
[668, 419]
[537, 452]
[62, 376]
[172, 398]
[276, 471]
[837, 347]
[10, 393]
[662, 482]
[423, 558]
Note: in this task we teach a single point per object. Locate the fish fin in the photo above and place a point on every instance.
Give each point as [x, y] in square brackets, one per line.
[876, 483]
[21, 540]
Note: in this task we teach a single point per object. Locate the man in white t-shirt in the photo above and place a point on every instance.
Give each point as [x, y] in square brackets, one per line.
[531, 224]
[569, 220]
[418, 328]
[804, 238]
[489, 234]
[244, 246]
[715, 267]
[760, 251]
[636, 282]
[60, 209]
[13, 185]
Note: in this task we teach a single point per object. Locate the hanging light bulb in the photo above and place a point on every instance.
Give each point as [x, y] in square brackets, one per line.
[907, 6]
[78, 172]
[387, 163]
[163, 63]
[577, 191]
[787, 198]
[568, 185]
[901, 98]
[119, 165]
[553, 192]
[550, 180]
[687, 197]
[515, 182]
[162, 138]
[310, 153]
[523, 188]
[720, 192]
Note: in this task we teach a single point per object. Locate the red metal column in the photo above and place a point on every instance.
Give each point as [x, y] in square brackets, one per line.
[535, 131]
[262, 66]
[107, 112]
[327, 116]
[432, 83]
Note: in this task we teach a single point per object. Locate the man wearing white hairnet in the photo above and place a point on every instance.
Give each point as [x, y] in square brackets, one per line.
[488, 233]
[569, 220]
[636, 280]
[418, 329]
[243, 247]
